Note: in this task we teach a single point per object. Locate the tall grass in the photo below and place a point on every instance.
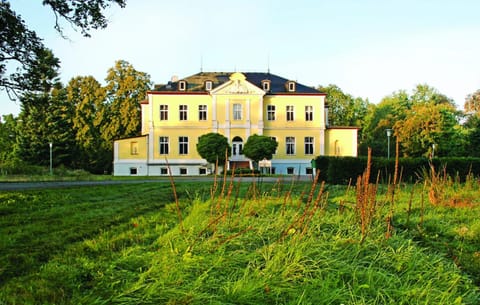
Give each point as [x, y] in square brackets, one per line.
[281, 243]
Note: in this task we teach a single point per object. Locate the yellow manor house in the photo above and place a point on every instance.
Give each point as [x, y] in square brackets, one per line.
[235, 105]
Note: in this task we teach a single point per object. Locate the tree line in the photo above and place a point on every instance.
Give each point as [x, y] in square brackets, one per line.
[81, 120]
[425, 122]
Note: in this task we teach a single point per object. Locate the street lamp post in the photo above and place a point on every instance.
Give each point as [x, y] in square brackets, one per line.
[51, 168]
[389, 134]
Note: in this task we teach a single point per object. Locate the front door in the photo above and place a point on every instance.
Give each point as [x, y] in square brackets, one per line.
[237, 148]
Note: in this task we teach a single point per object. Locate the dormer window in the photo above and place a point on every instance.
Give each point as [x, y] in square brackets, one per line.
[266, 85]
[182, 85]
[291, 86]
[208, 85]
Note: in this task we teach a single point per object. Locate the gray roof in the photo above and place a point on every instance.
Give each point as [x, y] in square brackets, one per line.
[196, 82]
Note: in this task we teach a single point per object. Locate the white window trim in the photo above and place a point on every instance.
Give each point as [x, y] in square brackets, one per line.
[202, 110]
[182, 85]
[208, 85]
[292, 112]
[309, 112]
[180, 144]
[266, 85]
[291, 86]
[310, 143]
[160, 143]
[287, 145]
[237, 111]
[271, 111]
[163, 111]
[183, 110]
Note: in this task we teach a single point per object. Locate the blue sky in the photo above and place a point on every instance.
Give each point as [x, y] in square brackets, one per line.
[368, 48]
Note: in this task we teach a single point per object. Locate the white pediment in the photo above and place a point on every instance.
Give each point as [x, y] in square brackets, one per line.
[237, 84]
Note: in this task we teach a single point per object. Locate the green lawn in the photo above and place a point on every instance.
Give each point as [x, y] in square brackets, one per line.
[256, 244]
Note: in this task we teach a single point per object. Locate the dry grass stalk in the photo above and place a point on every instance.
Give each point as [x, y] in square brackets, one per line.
[213, 189]
[422, 205]
[177, 204]
[288, 196]
[301, 222]
[314, 184]
[225, 173]
[366, 198]
[315, 208]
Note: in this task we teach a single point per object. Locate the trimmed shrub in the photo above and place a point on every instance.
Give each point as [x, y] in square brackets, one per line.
[340, 170]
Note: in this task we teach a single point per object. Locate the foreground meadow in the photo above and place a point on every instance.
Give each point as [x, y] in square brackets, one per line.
[242, 243]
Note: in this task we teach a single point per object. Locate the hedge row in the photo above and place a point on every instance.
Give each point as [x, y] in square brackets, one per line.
[243, 172]
[339, 170]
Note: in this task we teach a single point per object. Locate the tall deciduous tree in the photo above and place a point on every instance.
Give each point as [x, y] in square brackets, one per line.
[344, 109]
[8, 138]
[87, 97]
[419, 120]
[21, 48]
[473, 136]
[381, 117]
[38, 124]
[427, 125]
[431, 120]
[126, 88]
[35, 133]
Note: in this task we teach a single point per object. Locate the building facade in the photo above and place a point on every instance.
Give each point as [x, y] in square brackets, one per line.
[235, 105]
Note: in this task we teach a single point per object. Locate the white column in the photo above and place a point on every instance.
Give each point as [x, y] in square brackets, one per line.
[227, 110]
[227, 118]
[260, 116]
[214, 114]
[322, 142]
[151, 132]
[248, 120]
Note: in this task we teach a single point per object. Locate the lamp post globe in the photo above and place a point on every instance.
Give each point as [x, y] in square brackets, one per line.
[51, 167]
[389, 134]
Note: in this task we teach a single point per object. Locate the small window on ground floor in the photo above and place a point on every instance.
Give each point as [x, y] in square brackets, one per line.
[183, 171]
[309, 171]
[163, 171]
[133, 170]
[202, 171]
[290, 170]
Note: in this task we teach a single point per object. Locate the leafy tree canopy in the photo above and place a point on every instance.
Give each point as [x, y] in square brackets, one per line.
[259, 147]
[126, 87]
[22, 49]
[212, 147]
[344, 109]
[472, 103]
[420, 119]
[8, 135]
